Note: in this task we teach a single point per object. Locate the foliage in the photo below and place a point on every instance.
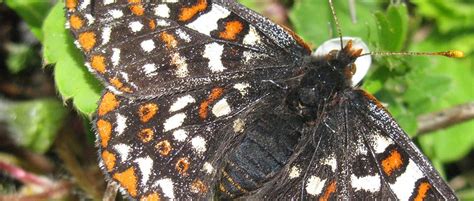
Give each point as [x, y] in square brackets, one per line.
[72, 78]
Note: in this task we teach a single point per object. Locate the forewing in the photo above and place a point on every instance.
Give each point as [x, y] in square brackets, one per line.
[153, 48]
[171, 146]
[358, 151]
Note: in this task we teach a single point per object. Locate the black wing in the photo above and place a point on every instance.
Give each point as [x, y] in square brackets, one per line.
[159, 47]
[357, 151]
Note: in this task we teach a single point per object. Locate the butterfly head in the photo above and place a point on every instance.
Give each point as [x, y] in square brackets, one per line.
[348, 59]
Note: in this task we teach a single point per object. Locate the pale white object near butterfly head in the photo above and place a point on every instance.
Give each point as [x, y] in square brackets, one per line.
[362, 63]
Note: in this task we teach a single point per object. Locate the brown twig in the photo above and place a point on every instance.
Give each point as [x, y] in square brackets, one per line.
[73, 166]
[448, 117]
[110, 192]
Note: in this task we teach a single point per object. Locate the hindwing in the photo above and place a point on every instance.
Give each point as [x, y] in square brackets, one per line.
[357, 151]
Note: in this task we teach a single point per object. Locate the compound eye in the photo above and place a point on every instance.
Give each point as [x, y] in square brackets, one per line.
[362, 63]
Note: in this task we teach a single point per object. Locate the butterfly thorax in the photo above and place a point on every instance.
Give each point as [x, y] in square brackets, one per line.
[326, 78]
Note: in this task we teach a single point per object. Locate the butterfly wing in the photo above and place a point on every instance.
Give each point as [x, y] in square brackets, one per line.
[357, 151]
[159, 47]
[172, 146]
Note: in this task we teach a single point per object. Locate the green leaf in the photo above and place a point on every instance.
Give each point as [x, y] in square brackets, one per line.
[449, 15]
[72, 78]
[392, 27]
[34, 124]
[19, 57]
[453, 143]
[313, 21]
[33, 12]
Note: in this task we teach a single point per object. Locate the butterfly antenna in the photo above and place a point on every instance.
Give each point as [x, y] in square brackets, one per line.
[450, 53]
[338, 27]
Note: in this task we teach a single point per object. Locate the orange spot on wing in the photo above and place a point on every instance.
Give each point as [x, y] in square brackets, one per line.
[87, 40]
[164, 147]
[169, 40]
[189, 12]
[329, 191]
[232, 29]
[215, 94]
[76, 22]
[392, 162]
[146, 135]
[422, 190]
[137, 9]
[147, 111]
[104, 128]
[128, 180]
[108, 103]
[152, 24]
[119, 85]
[198, 187]
[109, 160]
[151, 197]
[182, 166]
[71, 4]
[98, 63]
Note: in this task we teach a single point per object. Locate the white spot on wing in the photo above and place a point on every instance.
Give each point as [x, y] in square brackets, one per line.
[147, 45]
[208, 168]
[123, 150]
[239, 125]
[121, 124]
[150, 69]
[174, 121]
[107, 2]
[162, 23]
[84, 4]
[106, 35]
[221, 108]
[145, 164]
[181, 103]
[115, 56]
[405, 183]
[252, 37]
[167, 187]
[183, 35]
[135, 26]
[90, 19]
[315, 185]
[182, 66]
[242, 87]
[213, 52]
[294, 172]
[208, 21]
[381, 143]
[199, 144]
[116, 13]
[162, 10]
[368, 183]
[180, 135]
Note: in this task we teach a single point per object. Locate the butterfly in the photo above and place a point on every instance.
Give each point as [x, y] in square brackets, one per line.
[207, 98]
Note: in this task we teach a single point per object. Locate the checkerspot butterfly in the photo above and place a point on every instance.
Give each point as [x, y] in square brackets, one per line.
[206, 97]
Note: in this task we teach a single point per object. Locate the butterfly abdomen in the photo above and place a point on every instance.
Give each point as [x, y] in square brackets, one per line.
[269, 142]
